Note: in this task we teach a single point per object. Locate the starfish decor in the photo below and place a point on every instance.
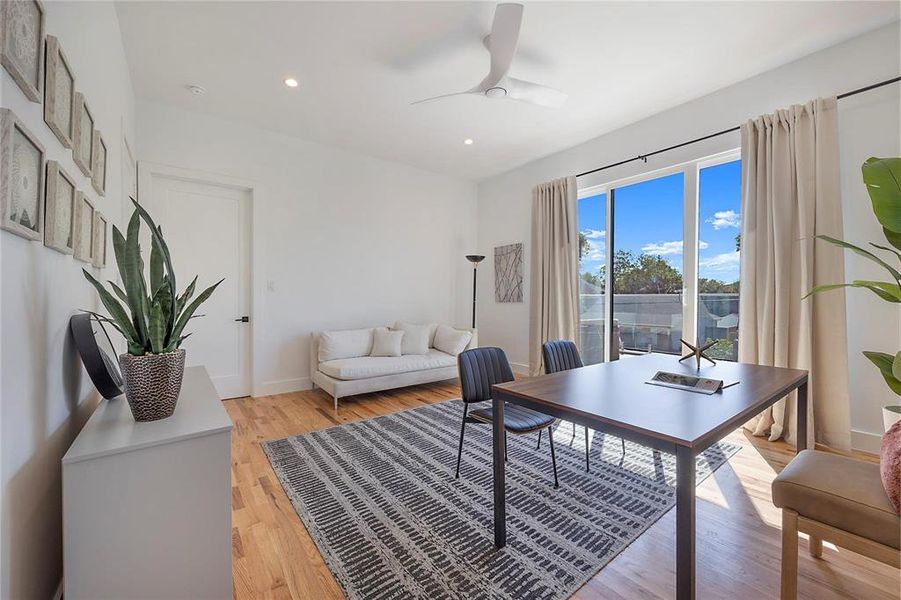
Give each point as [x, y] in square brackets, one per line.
[698, 352]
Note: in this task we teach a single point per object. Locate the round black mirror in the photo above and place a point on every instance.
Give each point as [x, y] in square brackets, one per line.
[97, 354]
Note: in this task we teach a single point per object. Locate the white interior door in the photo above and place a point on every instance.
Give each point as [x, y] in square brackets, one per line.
[207, 229]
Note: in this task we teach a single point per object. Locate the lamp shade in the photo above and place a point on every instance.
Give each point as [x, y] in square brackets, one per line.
[475, 258]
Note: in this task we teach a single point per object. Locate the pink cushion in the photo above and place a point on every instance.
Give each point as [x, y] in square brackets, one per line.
[890, 465]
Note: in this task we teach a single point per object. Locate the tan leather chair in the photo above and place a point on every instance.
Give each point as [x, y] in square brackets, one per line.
[837, 499]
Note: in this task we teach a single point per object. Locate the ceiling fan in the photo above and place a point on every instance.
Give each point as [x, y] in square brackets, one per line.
[502, 46]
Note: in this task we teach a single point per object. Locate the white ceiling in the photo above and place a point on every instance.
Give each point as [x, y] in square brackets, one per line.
[360, 64]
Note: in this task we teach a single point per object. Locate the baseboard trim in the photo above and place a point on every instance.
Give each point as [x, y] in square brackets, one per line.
[282, 386]
[520, 368]
[866, 441]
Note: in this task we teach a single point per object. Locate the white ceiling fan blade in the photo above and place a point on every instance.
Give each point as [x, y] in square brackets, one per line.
[526, 91]
[473, 91]
[502, 43]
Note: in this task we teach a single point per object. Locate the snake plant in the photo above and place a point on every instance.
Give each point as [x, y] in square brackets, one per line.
[882, 177]
[151, 319]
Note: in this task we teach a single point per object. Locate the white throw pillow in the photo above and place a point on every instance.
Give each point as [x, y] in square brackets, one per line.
[349, 343]
[417, 338]
[451, 341]
[386, 342]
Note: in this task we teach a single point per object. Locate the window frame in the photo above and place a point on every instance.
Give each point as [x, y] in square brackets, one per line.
[691, 171]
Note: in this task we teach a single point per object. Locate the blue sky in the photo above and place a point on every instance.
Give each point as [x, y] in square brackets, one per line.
[649, 221]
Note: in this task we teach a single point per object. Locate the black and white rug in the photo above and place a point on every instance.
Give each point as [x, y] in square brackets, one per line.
[380, 500]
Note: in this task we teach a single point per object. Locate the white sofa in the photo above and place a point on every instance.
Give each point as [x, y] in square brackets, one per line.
[355, 372]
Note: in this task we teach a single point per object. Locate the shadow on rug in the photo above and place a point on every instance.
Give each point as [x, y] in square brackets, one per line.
[380, 500]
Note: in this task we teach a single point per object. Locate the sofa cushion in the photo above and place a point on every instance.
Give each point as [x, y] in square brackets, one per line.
[386, 342]
[364, 367]
[349, 343]
[451, 341]
[417, 338]
[839, 491]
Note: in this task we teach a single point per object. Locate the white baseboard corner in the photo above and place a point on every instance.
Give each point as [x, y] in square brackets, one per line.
[282, 386]
[866, 441]
[520, 368]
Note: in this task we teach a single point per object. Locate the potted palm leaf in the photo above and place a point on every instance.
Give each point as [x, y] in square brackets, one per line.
[882, 176]
[151, 319]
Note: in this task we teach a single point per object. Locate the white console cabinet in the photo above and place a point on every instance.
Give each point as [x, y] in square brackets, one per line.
[147, 506]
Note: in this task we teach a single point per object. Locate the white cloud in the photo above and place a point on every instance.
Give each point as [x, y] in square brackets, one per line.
[725, 218]
[667, 248]
[663, 248]
[593, 234]
[728, 261]
[596, 250]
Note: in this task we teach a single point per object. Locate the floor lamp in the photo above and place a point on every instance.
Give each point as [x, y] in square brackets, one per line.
[475, 259]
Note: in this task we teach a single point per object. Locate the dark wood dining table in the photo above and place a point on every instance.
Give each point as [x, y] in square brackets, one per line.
[614, 397]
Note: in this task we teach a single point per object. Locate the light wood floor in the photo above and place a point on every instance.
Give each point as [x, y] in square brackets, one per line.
[738, 538]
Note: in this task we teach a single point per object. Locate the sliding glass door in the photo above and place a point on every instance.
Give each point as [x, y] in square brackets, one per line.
[670, 242]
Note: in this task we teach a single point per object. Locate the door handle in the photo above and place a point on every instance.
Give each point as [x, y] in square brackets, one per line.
[244, 319]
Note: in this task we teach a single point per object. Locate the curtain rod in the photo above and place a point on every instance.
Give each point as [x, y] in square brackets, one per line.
[644, 157]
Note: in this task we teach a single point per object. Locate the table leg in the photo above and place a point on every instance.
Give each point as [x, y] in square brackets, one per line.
[685, 523]
[499, 449]
[802, 417]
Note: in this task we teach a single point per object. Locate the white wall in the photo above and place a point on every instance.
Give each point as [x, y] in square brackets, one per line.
[869, 125]
[45, 395]
[346, 240]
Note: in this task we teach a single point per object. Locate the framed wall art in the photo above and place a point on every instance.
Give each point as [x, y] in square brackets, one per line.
[98, 164]
[59, 93]
[83, 229]
[22, 44]
[82, 135]
[21, 178]
[508, 273]
[99, 240]
[60, 209]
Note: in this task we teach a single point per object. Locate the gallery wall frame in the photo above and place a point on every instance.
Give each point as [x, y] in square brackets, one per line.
[22, 44]
[83, 229]
[59, 213]
[98, 163]
[83, 135]
[22, 159]
[59, 93]
[98, 240]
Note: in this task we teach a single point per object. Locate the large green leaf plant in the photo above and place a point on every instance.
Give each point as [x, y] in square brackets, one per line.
[882, 176]
[151, 319]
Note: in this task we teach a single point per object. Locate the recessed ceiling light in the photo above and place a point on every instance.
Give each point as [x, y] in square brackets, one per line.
[291, 82]
[468, 141]
[196, 90]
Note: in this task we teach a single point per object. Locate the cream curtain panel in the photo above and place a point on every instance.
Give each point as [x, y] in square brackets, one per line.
[554, 306]
[791, 193]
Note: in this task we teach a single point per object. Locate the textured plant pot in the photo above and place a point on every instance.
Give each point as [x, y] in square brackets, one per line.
[152, 383]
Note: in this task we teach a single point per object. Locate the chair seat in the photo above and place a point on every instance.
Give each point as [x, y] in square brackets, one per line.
[517, 419]
[839, 491]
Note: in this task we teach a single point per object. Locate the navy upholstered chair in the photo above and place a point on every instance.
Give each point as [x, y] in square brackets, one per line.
[479, 369]
[562, 355]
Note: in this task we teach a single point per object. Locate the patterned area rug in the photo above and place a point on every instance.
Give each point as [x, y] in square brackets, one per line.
[380, 500]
